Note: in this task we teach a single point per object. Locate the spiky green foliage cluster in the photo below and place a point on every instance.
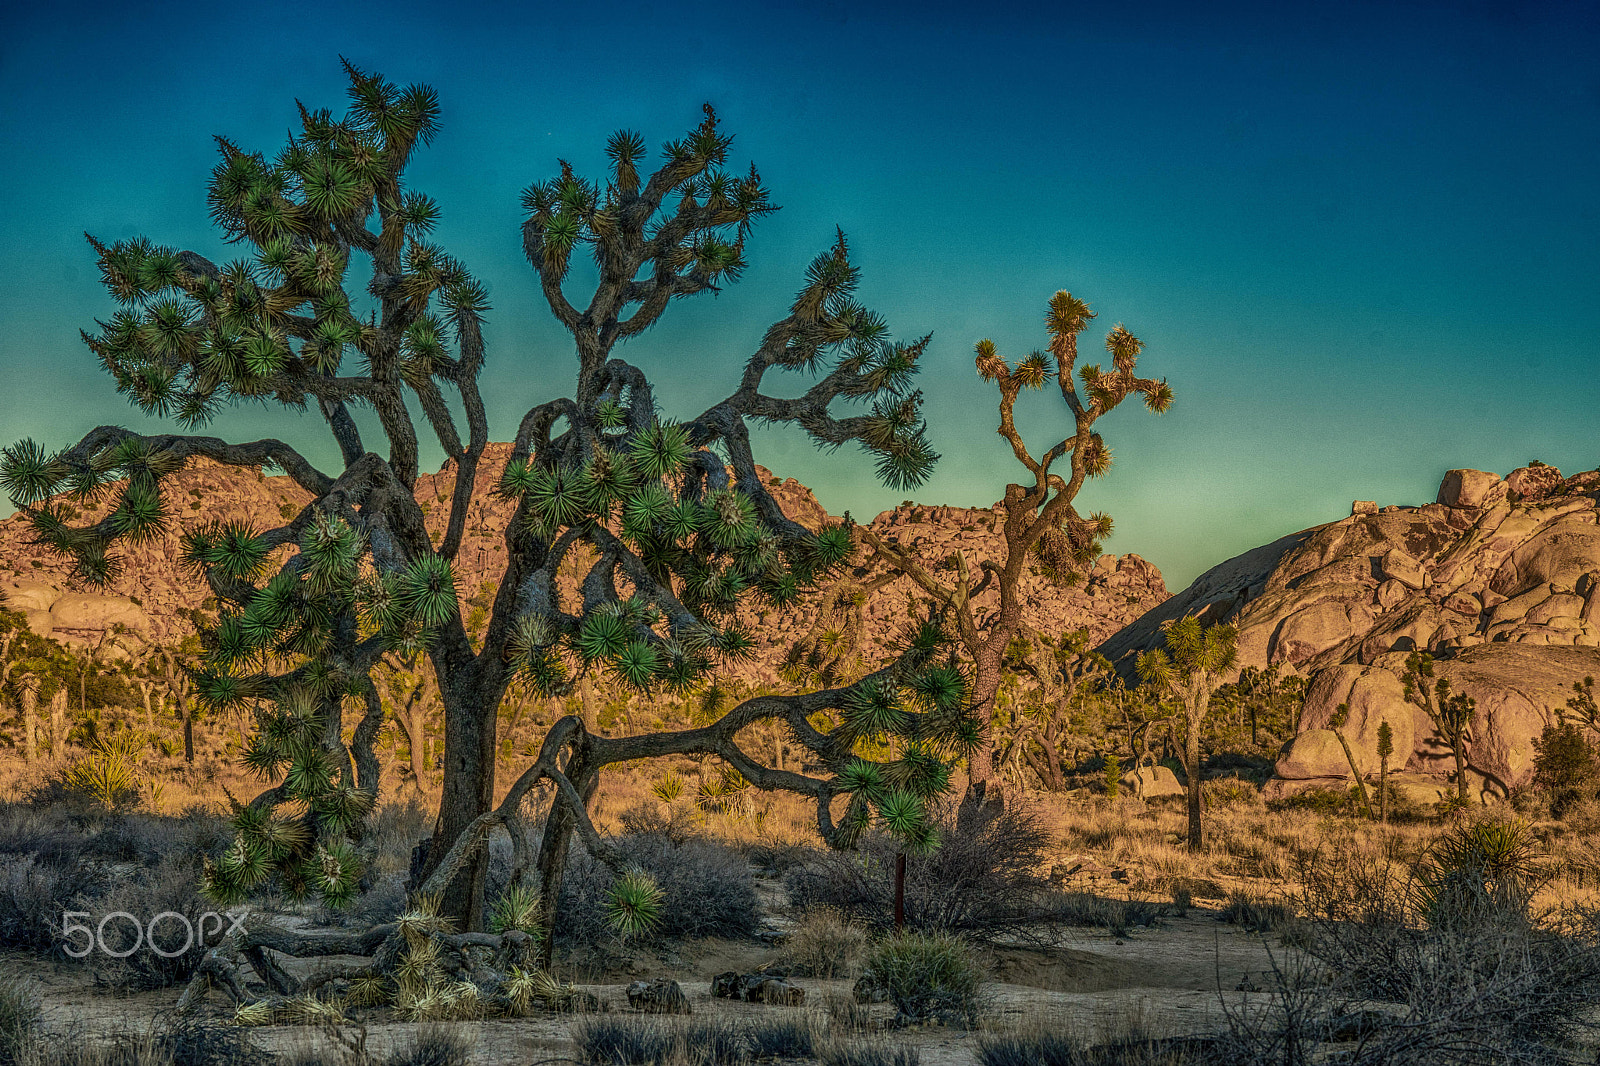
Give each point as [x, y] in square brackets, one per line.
[922, 719]
[1477, 872]
[700, 553]
[49, 490]
[284, 644]
[277, 322]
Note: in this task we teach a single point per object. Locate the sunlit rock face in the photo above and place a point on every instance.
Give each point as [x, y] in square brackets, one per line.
[1498, 579]
[151, 592]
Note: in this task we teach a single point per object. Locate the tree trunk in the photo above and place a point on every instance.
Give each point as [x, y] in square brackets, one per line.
[985, 796]
[58, 724]
[553, 846]
[1460, 750]
[468, 791]
[1383, 790]
[1191, 768]
[188, 727]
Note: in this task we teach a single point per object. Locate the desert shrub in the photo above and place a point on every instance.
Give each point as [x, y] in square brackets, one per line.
[981, 878]
[1226, 793]
[44, 832]
[1566, 767]
[678, 824]
[1319, 800]
[602, 1040]
[712, 1042]
[1053, 1046]
[1476, 872]
[35, 894]
[1254, 914]
[194, 1042]
[383, 901]
[824, 943]
[870, 1053]
[928, 976]
[784, 1037]
[20, 1016]
[173, 888]
[392, 831]
[433, 1044]
[1085, 910]
[107, 777]
[706, 889]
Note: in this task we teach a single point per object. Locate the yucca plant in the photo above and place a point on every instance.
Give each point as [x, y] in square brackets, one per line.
[109, 776]
[676, 523]
[1476, 872]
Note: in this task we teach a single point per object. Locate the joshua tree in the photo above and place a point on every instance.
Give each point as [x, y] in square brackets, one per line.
[1041, 523]
[1342, 715]
[676, 538]
[1452, 713]
[1065, 673]
[1189, 670]
[1385, 750]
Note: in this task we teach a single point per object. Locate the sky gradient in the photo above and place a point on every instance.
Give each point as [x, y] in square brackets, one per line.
[1360, 243]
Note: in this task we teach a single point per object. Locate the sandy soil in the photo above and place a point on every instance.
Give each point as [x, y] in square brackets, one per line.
[1177, 978]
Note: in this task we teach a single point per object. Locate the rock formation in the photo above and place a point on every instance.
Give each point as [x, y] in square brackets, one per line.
[153, 589]
[1499, 579]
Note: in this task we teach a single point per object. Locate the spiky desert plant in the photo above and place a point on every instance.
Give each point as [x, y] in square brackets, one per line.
[517, 908]
[1477, 871]
[633, 904]
[109, 775]
[1042, 526]
[1188, 669]
[1452, 713]
[674, 521]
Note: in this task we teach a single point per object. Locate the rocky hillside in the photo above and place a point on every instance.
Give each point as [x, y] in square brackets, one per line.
[152, 590]
[1498, 578]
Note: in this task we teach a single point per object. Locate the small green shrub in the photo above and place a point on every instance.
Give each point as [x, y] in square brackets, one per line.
[1254, 914]
[928, 976]
[108, 777]
[1566, 767]
[1227, 793]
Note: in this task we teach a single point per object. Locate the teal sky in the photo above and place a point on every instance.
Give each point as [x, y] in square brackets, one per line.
[1360, 242]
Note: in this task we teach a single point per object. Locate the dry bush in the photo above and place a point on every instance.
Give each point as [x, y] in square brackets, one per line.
[707, 889]
[877, 1052]
[20, 1016]
[981, 879]
[34, 895]
[174, 889]
[824, 943]
[1409, 973]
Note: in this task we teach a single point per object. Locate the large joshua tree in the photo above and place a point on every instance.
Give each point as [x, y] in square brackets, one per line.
[1041, 524]
[675, 524]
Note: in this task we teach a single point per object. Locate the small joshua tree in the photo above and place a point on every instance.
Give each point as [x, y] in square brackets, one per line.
[1336, 724]
[1041, 524]
[1452, 713]
[1189, 670]
[1385, 750]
